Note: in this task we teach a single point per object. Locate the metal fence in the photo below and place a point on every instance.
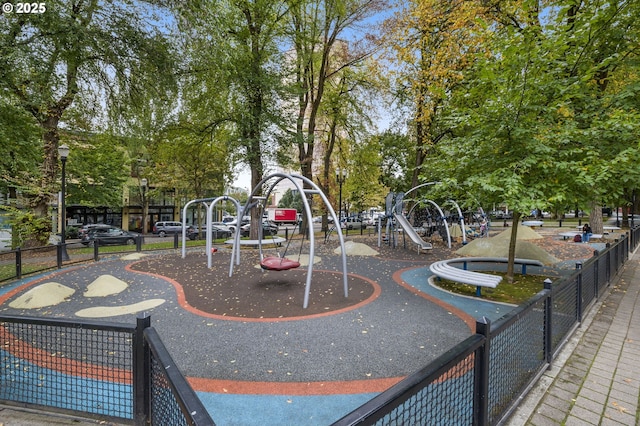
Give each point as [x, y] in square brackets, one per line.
[103, 371]
[24, 261]
[481, 380]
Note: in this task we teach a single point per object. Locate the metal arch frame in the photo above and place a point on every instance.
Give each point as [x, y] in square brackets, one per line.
[461, 217]
[184, 225]
[394, 207]
[294, 179]
[235, 251]
[422, 185]
[444, 219]
[419, 202]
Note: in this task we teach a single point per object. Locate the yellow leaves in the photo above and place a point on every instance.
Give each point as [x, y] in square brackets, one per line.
[434, 42]
[565, 112]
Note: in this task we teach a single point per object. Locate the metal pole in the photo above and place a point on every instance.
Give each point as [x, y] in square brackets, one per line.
[63, 207]
[144, 182]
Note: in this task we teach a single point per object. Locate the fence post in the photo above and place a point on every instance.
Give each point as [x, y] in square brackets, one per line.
[139, 239]
[548, 326]
[175, 240]
[141, 372]
[18, 263]
[579, 292]
[596, 274]
[627, 245]
[608, 264]
[481, 380]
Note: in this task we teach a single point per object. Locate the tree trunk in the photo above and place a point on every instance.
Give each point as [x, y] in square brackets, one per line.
[512, 247]
[595, 217]
[49, 168]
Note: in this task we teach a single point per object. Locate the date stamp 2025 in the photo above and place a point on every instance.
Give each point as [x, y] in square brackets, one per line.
[24, 8]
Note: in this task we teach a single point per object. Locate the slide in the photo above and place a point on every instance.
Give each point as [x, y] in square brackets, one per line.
[408, 229]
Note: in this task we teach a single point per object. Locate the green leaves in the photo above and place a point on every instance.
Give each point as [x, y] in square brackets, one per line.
[550, 113]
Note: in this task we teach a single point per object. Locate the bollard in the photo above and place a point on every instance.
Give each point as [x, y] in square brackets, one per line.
[18, 263]
[96, 250]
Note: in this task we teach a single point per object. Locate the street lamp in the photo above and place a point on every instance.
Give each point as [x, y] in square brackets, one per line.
[63, 152]
[143, 184]
[341, 176]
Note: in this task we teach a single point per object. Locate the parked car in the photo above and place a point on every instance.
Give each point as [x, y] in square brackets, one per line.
[113, 236]
[84, 229]
[167, 227]
[499, 214]
[216, 232]
[353, 223]
[369, 221]
[232, 225]
[268, 229]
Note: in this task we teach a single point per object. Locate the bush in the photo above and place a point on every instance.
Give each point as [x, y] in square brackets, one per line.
[71, 232]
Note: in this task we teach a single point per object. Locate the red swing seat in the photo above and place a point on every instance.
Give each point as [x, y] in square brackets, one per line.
[273, 263]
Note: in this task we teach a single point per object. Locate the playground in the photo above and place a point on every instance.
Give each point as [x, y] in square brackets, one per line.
[251, 351]
[251, 347]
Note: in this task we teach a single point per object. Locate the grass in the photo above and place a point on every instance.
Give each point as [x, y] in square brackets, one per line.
[523, 288]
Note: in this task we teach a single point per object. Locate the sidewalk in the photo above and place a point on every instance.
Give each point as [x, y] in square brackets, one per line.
[594, 380]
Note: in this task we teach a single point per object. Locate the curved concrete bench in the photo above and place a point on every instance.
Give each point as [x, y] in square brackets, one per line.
[444, 269]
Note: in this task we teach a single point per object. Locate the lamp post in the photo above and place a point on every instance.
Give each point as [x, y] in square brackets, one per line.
[143, 184]
[341, 176]
[63, 152]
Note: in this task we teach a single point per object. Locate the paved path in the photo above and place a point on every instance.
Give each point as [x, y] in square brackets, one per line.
[595, 380]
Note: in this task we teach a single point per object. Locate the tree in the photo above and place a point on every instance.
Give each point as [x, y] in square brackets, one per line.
[432, 43]
[291, 200]
[526, 128]
[397, 158]
[96, 169]
[364, 187]
[235, 61]
[320, 56]
[193, 163]
[102, 53]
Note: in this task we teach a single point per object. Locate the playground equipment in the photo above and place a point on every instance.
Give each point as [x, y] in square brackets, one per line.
[210, 204]
[284, 263]
[275, 263]
[430, 221]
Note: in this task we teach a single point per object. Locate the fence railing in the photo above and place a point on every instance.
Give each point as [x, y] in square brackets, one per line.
[481, 380]
[103, 371]
[24, 261]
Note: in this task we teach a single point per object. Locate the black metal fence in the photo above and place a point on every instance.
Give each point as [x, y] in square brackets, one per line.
[24, 261]
[481, 380]
[105, 371]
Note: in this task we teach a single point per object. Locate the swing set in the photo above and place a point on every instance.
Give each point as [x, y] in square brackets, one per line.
[281, 263]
